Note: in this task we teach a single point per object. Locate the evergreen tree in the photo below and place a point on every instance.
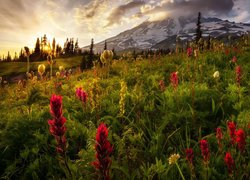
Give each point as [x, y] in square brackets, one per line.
[8, 57]
[91, 54]
[88, 57]
[15, 57]
[54, 46]
[21, 56]
[43, 43]
[67, 46]
[71, 46]
[76, 50]
[58, 50]
[198, 29]
[37, 47]
[105, 45]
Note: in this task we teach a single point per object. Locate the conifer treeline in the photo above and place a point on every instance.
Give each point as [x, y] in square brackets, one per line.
[43, 47]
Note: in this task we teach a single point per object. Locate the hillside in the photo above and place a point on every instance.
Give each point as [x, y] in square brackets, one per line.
[179, 116]
[162, 34]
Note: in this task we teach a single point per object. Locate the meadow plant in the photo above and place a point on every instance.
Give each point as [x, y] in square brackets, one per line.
[122, 101]
[57, 124]
[103, 151]
[238, 72]
[229, 161]
[232, 129]
[174, 80]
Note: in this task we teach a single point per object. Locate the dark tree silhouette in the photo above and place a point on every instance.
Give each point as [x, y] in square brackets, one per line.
[37, 47]
[105, 45]
[198, 29]
[88, 57]
[76, 50]
[91, 51]
[54, 46]
[8, 57]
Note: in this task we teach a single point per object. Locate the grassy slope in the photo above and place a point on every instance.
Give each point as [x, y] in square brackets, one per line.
[12, 68]
[146, 132]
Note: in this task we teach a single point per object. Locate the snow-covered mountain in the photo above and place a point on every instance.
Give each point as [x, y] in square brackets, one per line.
[158, 34]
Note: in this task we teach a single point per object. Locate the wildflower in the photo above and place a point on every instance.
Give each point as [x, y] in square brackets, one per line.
[103, 150]
[61, 68]
[173, 158]
[205, 150]
[240, 139]
[94, 94]
[41, 69]
[162, 85]
[226, 51]
[34, 79]
[219, 136]
[58, 74]
[189, 52]
[106, 56]
[123, 93]
[196, 53]
[229, 162]
[174, 79]
[231, 127]
[81, 94]
[234, 60]
[189, 155]
[238, 72]
[57, 124]
[29, 75]
[216, 74]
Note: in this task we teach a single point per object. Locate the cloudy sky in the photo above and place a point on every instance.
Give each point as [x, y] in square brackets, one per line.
[22, 21]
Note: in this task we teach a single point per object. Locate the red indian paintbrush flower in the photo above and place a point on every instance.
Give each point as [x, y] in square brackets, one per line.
[205, 150]
[219, 136]
[229, 162]
[189, 155]
[103, 150]
[238, 72]
[57, 124]
[240, 139]
[162, 85]
[234, 60]
[174, 79]
[81, 94]
[232, 128]
[189, 52]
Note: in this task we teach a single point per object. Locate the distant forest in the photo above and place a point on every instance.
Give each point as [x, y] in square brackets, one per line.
[43, 48]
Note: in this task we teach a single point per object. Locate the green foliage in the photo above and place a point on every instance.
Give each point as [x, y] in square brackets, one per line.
[155, 124]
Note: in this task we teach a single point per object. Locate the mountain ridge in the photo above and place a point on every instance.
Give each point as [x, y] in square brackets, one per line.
[162, 34]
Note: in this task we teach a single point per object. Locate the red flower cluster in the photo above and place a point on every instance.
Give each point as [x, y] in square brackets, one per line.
[205, 150]
[234, 60]
[226, 51]
[189, 52]
[81, 94]
[219, 136]
[238, 72]
[103, 150]
[174, 79]
[240, 139]
[229, 162]
[189, 155]
[232, 128]
[57, 124]
[162, 85]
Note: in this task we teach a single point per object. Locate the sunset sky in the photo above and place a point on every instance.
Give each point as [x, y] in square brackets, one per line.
[22, 21]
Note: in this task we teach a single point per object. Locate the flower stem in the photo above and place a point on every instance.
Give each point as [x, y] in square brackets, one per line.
[183, 178]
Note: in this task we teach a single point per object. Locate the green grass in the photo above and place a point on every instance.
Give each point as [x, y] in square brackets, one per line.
[13, 68]
[156, 123]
